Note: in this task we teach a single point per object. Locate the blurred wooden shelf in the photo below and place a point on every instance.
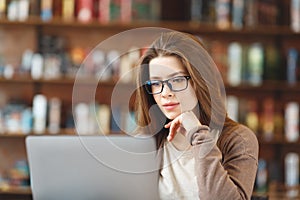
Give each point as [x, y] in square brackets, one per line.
[186, 26]
[15, 193]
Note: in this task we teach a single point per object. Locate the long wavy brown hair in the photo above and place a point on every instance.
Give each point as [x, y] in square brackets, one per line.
[205, 79]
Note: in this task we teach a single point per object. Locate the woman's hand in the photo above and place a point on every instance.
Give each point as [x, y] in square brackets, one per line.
[173, 126]
[183, 124]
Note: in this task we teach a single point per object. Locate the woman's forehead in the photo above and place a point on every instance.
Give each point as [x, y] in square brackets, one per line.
[165, 65]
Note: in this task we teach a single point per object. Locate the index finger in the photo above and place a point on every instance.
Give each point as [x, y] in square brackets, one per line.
[174, 126]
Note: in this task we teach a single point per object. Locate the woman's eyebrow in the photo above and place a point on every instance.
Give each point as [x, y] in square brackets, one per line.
[170, 75]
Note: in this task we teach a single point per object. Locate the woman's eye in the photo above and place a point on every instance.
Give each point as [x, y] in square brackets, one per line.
[155, 84]
[177, 80]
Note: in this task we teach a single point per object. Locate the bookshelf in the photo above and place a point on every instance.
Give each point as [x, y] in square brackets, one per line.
[30, 31]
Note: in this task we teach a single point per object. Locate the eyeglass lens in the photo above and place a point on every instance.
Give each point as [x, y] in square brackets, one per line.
[175, 84]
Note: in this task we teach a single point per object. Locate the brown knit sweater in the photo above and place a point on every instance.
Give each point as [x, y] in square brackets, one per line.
[227, 163]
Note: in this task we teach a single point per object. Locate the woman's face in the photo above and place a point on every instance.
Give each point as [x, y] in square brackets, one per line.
[171, 103]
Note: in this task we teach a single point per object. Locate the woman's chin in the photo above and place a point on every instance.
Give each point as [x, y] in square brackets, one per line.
[171, 116]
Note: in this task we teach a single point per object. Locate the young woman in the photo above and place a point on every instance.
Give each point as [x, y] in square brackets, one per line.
[205, 154]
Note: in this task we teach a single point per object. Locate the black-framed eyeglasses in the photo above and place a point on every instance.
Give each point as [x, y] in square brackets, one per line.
[176, 84]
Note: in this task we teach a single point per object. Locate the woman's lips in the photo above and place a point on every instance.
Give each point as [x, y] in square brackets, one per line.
[170, 106]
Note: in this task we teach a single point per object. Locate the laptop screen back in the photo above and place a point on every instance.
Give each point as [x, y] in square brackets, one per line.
[92, 167]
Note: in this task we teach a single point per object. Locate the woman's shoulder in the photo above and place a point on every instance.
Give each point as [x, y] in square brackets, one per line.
[238, 131]
[239, 138]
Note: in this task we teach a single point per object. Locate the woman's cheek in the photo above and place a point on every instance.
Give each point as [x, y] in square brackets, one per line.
[188, 101]
[156, 99]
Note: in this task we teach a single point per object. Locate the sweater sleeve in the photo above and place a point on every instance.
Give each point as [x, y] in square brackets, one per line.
[227, 171]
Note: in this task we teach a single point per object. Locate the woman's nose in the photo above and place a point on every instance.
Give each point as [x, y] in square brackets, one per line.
[166, 90]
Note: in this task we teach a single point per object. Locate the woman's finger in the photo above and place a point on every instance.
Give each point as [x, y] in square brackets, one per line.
[168, 125]
[174, 126]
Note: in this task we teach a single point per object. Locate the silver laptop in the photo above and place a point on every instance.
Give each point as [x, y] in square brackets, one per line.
[92, 167]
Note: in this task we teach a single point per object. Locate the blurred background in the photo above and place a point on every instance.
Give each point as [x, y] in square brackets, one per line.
[46, 44]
